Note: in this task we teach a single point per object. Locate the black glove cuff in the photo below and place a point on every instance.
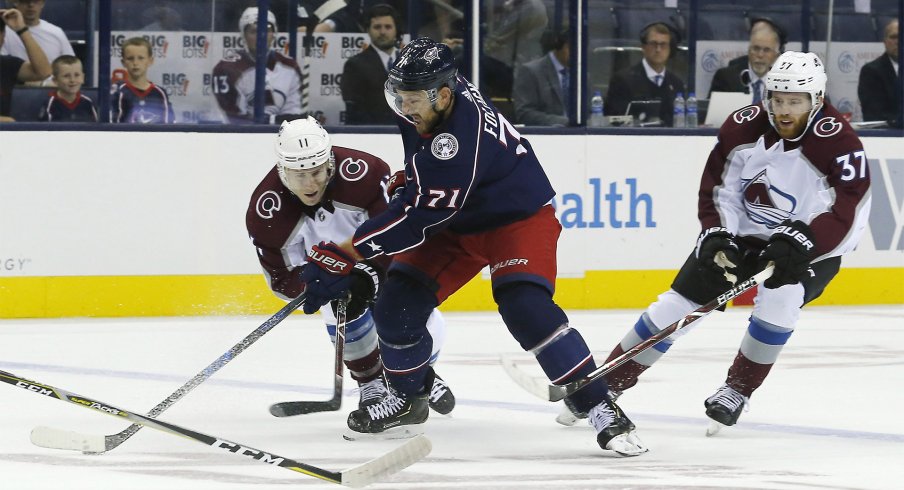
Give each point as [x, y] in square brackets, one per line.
[715, 232]
[798, 234]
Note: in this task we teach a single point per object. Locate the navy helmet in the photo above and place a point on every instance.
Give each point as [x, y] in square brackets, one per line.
[423, 64]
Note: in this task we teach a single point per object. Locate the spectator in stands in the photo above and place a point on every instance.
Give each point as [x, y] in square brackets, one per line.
[13, 69]
[542, 86]
[649, 79]
[67, 103]
[878, 85]
[49, 37]
[233, 79]
[136, 99]
[747, 73]
[365, 73]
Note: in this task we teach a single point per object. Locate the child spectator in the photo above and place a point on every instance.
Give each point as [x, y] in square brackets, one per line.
[136, 99]
[67, 103]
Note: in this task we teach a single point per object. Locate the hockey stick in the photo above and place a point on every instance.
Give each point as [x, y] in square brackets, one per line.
[543, 390]
[96, 444]
[358, 476]
[289, 409]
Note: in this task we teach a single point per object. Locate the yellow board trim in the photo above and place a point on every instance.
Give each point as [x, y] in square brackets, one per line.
[129, 296]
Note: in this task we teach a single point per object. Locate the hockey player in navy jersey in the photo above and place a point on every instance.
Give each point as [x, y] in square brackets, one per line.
[787, 182]
[473, 195]
[319, 192]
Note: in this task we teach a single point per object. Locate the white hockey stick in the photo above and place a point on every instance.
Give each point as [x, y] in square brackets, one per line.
[541, 388]
[95, 444]
[356, 477]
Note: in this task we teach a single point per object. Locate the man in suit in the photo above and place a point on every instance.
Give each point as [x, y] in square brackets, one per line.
[878, 85]
[365, 73]
[541, 88]
[747, 73]
[648, 80]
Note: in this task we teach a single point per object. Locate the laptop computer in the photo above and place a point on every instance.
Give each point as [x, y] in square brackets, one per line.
[722, 104]
[645, 112]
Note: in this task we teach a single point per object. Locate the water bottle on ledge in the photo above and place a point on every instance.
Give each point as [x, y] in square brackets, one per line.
[679, 121]
[692, 117]
[597, 119]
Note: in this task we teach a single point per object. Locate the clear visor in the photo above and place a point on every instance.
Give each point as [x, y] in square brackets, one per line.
[407, 102]
[791, 103]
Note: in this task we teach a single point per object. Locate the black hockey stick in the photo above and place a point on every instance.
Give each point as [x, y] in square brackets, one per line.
[399, 458]
[542, 389]
[50, 437]
[289, 409]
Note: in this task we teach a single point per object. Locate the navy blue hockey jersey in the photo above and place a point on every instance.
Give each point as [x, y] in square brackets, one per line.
[57, 109]
[475, 173]
[149, 106]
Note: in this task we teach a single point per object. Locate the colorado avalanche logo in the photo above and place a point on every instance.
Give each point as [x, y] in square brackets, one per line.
[765, 204]
[827, 127]
[267, 204]
[352, 170]
[746, 114]
[444, 146]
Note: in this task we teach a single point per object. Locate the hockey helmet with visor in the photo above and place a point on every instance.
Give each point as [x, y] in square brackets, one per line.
[423, 67]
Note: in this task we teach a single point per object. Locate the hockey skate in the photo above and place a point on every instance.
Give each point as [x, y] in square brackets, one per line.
[569, 415]
[615, 431]
[393, 416]
[724, 408]
[370, 392]
[441, 399]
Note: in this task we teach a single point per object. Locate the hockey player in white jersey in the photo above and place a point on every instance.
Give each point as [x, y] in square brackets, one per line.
[318, 192]
[787, 182]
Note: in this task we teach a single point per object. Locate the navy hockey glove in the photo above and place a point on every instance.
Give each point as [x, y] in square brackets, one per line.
[791, 248]
[326, 275]
[717, 256]
[363, 290]
[396, 184]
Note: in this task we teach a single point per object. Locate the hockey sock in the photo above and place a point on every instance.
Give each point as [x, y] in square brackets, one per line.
[361, 354]
[762, 344]
[401, 314]
[366, 368]
[625, 376]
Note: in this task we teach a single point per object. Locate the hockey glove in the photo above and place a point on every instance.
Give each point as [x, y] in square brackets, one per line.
[791, 248]
[396, 184]
[717, 256]
[326, 275]
[363, 289]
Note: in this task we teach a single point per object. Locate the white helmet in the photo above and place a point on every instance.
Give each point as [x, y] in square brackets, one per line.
[303, 144]
[794, 71]
[249, 16]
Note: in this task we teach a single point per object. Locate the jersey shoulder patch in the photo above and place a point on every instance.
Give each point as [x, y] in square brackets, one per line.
[744, 126]
[360, 177]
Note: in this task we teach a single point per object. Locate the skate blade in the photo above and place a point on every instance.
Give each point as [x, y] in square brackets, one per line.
[402, 432]
[714, 428]
[627, 445]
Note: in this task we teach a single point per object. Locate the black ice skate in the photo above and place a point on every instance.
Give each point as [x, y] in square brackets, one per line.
[441, 399]
[394, 416]
[724, 408]
[370, 392]
[615, 431]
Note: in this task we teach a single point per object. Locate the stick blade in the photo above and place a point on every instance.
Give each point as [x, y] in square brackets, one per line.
[539, 387]
[52, 438]
[403, 456]
[290, 409]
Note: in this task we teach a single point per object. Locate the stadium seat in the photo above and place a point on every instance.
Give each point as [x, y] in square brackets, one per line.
[27, 101]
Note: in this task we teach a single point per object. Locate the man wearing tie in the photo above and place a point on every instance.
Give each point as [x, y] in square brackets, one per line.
[649, 79]
[746, 73]
[365, 73]
[541, 88]
[878, 84]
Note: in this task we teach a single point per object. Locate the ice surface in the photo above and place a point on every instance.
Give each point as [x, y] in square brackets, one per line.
[828, 416]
